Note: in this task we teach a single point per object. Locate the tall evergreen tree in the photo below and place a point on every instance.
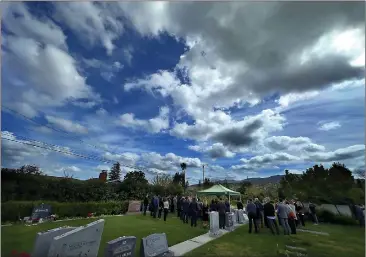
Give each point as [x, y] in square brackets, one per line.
[115, 173]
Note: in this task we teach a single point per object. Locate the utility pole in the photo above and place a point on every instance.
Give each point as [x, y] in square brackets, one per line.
[203, 173]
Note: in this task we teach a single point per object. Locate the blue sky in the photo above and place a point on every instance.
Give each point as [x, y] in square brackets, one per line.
[237, 87]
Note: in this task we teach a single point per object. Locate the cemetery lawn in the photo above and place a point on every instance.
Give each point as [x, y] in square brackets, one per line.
[21, 237]
[342, 241]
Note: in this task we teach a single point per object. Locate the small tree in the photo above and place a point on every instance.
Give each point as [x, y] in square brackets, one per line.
[115, 173]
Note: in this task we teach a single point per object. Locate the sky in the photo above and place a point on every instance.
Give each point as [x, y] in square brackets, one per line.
[247, 89]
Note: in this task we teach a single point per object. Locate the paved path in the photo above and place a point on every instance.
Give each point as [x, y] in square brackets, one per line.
[191, 244]
[314, 232]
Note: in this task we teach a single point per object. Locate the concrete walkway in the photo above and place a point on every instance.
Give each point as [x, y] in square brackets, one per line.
[314, 232]
[191, 244]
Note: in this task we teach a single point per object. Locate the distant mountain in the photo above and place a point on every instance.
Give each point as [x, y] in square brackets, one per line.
[255, 181]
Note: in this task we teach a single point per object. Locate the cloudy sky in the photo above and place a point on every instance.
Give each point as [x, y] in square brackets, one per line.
[248, 89]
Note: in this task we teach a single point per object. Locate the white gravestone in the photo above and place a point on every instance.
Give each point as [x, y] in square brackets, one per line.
[214, 224]
[83, 241]
[240, 216]
[229, 223]
[155, 245]
[121, 247]
[246, 219]
[235, 219]
[44, 239]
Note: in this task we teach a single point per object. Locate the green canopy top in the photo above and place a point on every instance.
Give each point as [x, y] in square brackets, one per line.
[218, 190]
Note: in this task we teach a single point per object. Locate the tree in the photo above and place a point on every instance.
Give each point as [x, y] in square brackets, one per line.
[207, 183]
[135, 185]
[115, 173]
[244, 186]
[30, 170]
[163, 180]
[183, 166]
[199, 183]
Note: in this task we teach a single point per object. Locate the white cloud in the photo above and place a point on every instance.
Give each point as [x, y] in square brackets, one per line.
[92, 22]
[153, 125]
[329, 125]
[67, 125]
[216, 150]
[124, 158]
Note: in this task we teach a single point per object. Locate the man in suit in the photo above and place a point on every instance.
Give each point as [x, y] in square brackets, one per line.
[251, 209]
[222, 210]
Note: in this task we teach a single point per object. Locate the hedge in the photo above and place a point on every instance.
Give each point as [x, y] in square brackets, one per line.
[13, 210]
[329, 217]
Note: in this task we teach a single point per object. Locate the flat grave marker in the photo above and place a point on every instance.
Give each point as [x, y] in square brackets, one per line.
[121, 247]
[83, 241]
[155, 245]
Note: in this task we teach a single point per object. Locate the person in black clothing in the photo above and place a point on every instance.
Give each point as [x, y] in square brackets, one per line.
[205, 215]
[300, 214]
[179, 207]
[270, 216]
[213, 206]
[193, 210]
[252, 215]
[161, 207]
[222, 211]
[240, 205]
[151, 207]
[185, 210]
[260, 214]
[146, 203]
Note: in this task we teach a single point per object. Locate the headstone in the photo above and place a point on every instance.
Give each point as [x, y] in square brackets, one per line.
[42, 211]
[121, 247]
[134, 206]
[229, 225]
[235, 219]
[246, 219]
[44, 240]
[240, 216]
[155, 245]
[83, 241]
[214, 224]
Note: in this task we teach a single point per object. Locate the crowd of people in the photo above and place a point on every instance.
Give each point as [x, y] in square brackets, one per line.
[285, 214]
[188, 209]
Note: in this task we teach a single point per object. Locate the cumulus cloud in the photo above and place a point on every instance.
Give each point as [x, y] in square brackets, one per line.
[93, 23]
[216, 150]
[67, 125]
[292, 144]
[124, 158]
[341, 154]
[329, 125]
[265, 161]
[153, 125]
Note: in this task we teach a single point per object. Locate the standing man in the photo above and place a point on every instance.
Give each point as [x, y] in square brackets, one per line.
[222, 210]
[146, 203]
[185, 210]
[270, 215]
[252, 215]
[259, 206]
[179, 206]
[156, 206]
[282, 213]
[313, 213]
[239, 205]
[193, 209]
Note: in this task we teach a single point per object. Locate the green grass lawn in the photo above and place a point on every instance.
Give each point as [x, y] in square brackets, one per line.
[343, 241]
[21, 238]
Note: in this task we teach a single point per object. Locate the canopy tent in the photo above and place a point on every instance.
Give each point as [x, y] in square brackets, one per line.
[219, 190]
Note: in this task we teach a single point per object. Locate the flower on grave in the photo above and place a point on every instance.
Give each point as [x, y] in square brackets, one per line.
[90, 214]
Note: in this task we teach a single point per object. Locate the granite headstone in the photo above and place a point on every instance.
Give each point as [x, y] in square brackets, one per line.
[155, 245]
[229, 225]
[134, 207]
[240, 216]
[83, 241]
[44, 239]
[214, 224]
[121, 247]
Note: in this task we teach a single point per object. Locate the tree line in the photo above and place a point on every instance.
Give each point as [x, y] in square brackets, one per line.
[335, 185]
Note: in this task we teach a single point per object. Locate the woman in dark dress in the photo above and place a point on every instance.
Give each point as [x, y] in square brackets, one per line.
[205, 215]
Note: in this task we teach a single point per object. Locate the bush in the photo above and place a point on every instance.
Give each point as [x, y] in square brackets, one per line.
[13, 210]
[329, 217]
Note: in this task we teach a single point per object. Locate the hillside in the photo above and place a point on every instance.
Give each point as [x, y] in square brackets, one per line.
[255, 181]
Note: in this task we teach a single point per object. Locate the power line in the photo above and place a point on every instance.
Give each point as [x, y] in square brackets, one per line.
[71, 153]
[48, 126]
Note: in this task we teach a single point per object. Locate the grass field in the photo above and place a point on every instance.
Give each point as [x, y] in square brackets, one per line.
[343, 241]
[21, 238]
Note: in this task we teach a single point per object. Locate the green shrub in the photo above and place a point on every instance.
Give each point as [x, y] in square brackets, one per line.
[329, 217]
[13, 210]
